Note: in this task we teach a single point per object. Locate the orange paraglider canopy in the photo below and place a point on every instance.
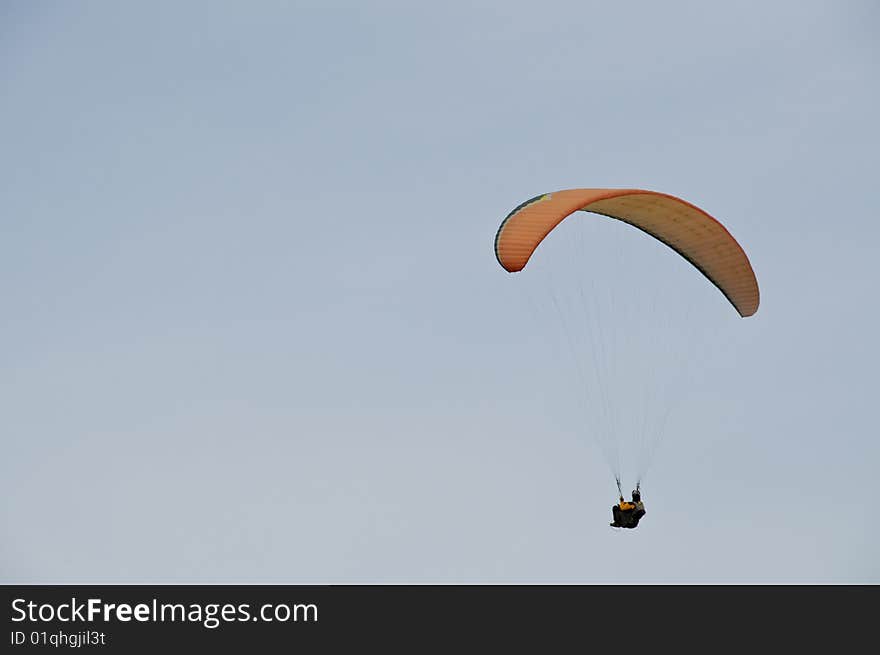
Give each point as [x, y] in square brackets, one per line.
[685, 228]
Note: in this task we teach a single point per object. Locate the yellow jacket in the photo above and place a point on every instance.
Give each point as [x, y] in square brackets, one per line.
[626, 506]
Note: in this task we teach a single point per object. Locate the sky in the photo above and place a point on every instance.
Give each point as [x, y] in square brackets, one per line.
[253, 328]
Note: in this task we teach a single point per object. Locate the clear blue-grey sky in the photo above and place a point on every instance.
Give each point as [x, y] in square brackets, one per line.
[253, 329]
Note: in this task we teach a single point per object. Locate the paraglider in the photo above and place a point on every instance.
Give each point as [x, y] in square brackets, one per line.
[685, 228]
[628, 514]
